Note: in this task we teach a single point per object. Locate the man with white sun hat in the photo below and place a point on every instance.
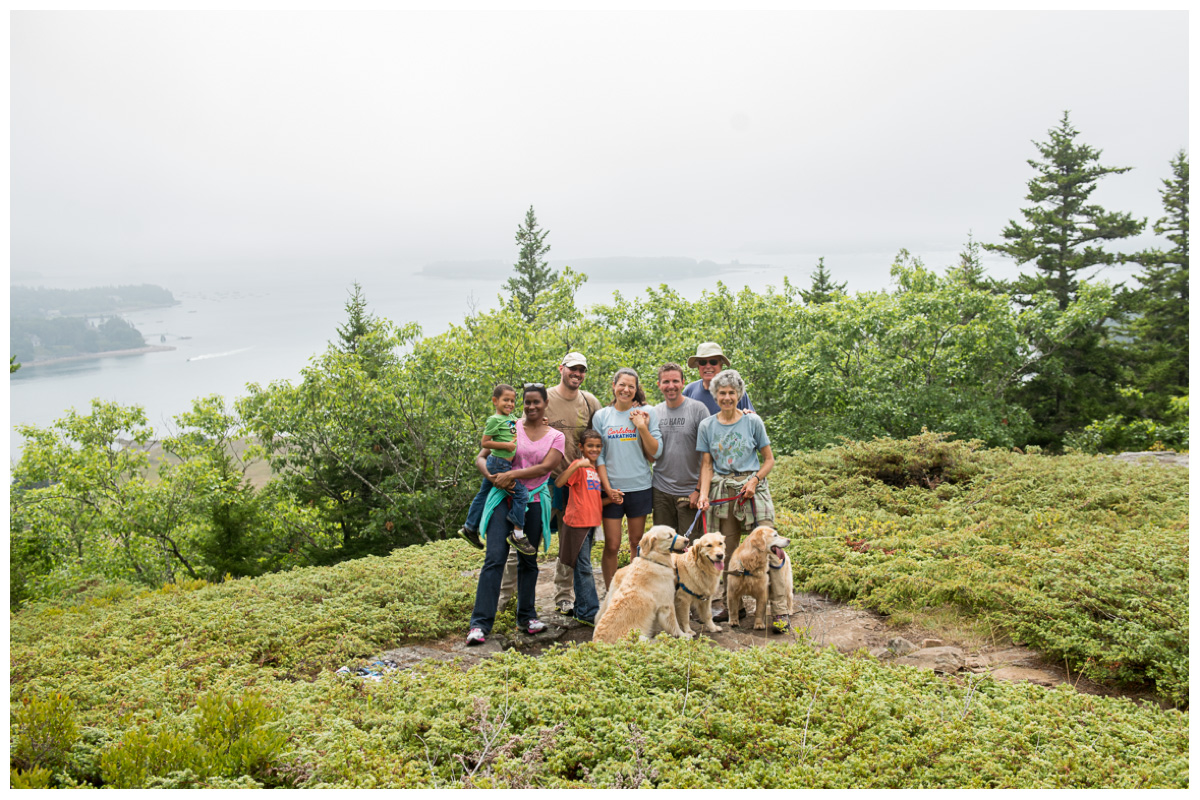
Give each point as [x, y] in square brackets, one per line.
[709, 360]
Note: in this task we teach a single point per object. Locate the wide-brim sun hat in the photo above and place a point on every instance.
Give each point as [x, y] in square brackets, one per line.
[707, 350]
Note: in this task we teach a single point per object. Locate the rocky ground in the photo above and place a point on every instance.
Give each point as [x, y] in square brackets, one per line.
[818, 619]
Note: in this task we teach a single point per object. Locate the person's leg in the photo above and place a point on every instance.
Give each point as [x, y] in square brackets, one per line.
[564, 584]
[508, 583]
[520, 502]
[636, 527]
[527, 570]
[665, 512]
[612, 546]
[586, 602]
[475, 512]
[487, 592]
[731, 527]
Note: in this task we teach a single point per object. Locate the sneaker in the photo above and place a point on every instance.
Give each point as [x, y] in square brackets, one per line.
[566, 609]
[535, 626]
[780, 624]
[471, 536]
[475, 636]
[522, 544]
[589, 621]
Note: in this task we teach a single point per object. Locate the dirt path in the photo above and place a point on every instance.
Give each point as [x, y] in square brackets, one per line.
[818, 619]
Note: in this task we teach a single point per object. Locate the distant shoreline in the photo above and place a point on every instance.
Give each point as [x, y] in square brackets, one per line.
[157, 348]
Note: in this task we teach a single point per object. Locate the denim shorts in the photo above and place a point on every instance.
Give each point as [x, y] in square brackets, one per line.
[636, 504]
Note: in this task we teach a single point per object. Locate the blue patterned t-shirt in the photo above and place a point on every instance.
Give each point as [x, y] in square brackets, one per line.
[734, 448]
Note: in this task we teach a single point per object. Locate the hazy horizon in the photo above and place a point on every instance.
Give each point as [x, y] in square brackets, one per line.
[286, 144]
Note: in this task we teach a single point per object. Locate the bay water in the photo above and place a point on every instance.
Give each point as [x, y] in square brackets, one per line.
[233, 327]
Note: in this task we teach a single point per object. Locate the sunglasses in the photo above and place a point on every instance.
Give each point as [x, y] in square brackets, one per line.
[708, 362]
[576, 369]
[529, 386]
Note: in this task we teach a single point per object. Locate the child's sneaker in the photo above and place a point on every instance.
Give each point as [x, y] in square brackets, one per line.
[780, 624]
[533, 626]
[471, 536]
[521, 542]
[475, 636]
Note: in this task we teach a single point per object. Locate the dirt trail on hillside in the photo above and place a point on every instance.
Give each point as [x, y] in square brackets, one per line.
[822, 621]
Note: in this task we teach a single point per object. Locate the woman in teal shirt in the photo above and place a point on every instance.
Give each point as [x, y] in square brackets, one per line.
[731, 442]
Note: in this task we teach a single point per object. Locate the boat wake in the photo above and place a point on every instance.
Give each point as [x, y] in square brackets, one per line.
[219, 355]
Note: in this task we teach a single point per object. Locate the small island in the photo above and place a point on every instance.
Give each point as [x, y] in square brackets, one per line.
[54, 325]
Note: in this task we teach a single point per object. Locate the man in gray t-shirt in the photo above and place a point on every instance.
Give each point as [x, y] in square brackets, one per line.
[677, 469]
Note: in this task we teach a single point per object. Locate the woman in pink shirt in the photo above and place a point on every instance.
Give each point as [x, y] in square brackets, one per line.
[539, 449]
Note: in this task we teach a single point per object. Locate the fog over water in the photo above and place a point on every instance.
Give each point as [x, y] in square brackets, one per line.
[256, 163]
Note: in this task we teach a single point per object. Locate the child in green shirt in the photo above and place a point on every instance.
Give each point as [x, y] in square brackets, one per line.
[499, 436]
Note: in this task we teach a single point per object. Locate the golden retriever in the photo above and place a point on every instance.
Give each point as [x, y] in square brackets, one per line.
[697, 576]
[781, 592]
[643, 592]
[747, 575]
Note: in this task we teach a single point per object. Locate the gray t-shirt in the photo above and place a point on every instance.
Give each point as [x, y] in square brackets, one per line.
[677, 469]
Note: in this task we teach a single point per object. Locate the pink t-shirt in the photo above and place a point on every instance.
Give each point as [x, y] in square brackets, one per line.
[530, 453]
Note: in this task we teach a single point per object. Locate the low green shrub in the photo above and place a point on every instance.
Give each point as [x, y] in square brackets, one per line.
[1084, 559]
[228, 738]
[43, 732]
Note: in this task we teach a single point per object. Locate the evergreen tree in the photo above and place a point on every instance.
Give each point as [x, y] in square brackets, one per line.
[358, 335]
[533, 278]
[1063, 231]
[358, 322]
[1160, 330]
[823, 289]
[969, 269]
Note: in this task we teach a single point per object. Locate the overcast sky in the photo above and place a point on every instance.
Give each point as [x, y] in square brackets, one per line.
[178, 140]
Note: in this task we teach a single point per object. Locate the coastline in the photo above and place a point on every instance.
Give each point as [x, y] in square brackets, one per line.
[156, 348]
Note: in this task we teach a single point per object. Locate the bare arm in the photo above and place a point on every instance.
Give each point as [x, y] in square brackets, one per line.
[706, 474]
[505, 480]
[481, 463]
[492, 444]
[613, 495]
[758, 477]
[562, 479]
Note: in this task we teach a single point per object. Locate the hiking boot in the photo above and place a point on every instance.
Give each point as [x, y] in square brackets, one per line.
[565, 609]
[780, 624]
[471, 536]
[589, 621]
[723, 615]
[475, 636]
[523, 544]
[535, 626]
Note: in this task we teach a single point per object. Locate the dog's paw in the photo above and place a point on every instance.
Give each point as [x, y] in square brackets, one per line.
[714, 628]
[760, 626]
[733, 624]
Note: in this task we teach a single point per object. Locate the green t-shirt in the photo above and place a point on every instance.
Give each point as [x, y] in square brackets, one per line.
[501, 429]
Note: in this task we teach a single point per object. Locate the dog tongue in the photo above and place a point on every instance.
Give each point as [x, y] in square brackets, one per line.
[720, 565]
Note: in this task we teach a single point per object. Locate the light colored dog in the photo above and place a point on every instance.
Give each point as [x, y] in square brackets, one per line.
[782, 594]
[643, 593]
[747, 574]
[697, 577]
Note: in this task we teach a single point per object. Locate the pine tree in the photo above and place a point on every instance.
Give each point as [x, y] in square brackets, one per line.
[1161, 329]
[358, 322]
[533, 276]
[823, 289]
[969, 269]
[1063, 232]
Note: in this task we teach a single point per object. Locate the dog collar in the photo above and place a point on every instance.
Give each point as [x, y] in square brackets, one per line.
[681, 585]
[743, 572]
[772, 566]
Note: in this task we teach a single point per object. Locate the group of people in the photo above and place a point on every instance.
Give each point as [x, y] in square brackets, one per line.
[699, 459]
